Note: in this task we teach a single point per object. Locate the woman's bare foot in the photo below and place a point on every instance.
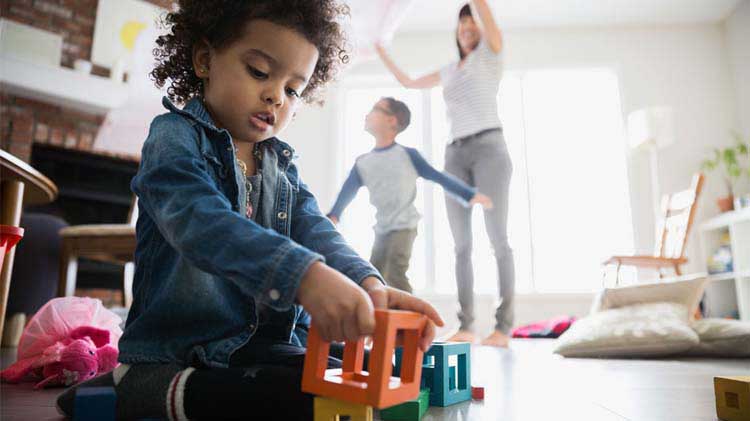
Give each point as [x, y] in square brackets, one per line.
[497, 339]
[462, 336]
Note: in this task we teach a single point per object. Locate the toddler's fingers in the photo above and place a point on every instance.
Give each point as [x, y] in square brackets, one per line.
[379, 297]
[351, 330]
[365, 316]
[427, 336]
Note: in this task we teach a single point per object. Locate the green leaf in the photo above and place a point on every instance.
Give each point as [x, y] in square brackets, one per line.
[730, 156]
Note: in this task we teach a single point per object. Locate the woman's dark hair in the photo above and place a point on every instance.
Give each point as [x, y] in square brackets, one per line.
[220, 22]
[465, 11]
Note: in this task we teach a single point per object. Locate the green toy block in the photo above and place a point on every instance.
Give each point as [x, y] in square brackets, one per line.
[412, 410]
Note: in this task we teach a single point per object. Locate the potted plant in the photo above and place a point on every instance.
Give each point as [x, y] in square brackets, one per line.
[734, 162]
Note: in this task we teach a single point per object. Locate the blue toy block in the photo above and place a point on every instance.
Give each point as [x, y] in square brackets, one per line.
[95, 404]
[427, 376]
[448, 385]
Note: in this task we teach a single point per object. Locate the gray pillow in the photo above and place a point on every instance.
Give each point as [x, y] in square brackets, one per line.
[642, 330]
[721, 338]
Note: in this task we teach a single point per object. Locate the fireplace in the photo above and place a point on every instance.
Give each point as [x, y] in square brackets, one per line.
[94, 189]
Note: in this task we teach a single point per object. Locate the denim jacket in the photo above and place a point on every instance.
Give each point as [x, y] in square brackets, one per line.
[203, 270]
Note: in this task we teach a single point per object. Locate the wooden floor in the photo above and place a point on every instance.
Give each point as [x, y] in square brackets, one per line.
[526, 383]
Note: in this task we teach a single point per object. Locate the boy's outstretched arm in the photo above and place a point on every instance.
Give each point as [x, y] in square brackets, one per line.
[460, 190]
[346, 195]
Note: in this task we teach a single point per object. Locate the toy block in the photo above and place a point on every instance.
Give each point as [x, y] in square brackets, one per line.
[334, 410]
[376, 387]
[412, 410]
[732, 398]
[449, 384]
[477, 392]
[399, 353]
[95, 404]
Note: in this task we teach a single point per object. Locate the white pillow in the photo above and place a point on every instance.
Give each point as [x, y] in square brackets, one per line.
[685, 292]
[721, 338]
[643, 330]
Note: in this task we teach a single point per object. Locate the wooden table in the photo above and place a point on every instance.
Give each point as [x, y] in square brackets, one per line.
[20, 184]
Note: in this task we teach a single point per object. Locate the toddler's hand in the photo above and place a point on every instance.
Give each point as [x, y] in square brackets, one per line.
[386, 297]
[340, 309]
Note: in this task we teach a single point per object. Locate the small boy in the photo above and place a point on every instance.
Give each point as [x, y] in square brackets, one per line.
[390, 173]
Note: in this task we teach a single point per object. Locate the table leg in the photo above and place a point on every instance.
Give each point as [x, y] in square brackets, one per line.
[12, 201]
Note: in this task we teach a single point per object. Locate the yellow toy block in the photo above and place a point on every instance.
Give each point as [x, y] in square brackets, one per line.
[732, 398]
[332, 410]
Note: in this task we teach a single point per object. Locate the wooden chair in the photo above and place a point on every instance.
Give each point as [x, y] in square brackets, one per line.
[678, 212]
[111, 243]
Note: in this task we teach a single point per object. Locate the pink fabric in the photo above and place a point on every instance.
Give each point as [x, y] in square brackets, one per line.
[69, 340]
[551, 328]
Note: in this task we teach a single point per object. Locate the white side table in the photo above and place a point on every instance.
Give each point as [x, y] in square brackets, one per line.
[738, 225]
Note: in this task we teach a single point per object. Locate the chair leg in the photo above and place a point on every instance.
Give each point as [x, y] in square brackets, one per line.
[68, 272]
[677, 270]
[617, 274]
[127, 283]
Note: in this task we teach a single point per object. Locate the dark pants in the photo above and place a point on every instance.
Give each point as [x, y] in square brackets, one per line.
[391, 254]
[262, 382]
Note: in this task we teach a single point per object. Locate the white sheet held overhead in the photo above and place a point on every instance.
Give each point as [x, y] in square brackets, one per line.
[373, 21]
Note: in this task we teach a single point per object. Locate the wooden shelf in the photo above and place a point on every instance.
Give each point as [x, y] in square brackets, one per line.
[726, 219]
[61, 86]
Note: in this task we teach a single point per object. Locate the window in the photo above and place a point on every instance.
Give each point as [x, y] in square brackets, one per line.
[569, 203]
[359, 217]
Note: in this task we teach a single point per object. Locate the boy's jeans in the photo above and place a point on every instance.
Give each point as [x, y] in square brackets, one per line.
[391, 254]
[482, 161]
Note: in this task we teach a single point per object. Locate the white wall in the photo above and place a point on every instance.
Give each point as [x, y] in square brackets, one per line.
[686, 67]
[738, 49]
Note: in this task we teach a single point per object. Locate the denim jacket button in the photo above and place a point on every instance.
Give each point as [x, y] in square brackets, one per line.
[274, 294]
[281, 215]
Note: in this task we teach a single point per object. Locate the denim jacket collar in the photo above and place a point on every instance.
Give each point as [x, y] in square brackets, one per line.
[197, 112]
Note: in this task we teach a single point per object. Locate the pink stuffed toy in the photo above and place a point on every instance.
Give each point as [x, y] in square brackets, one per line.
[69, 340]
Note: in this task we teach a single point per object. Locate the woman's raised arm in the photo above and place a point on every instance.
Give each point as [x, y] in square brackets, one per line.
[427, 81]
[492, 33]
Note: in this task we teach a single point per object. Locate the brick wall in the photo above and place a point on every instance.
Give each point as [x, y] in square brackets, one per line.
[24, 121]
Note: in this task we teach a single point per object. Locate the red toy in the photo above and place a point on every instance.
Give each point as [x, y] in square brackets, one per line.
[477, 392]
[69, 340]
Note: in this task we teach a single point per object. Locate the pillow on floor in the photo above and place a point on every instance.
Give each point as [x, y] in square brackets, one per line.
[721, 338]
[642, 330]
[685, 292]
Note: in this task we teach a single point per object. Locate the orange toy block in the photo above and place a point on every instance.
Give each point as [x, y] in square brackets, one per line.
[377, 387]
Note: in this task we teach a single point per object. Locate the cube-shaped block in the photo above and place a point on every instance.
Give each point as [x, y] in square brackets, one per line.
[95, 404]
[732, 398]
[477, 392]
[375, 387]
[333, 410]
[412, 410]
[450, 384]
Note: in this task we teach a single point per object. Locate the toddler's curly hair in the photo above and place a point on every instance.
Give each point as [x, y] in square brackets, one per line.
[220, 22]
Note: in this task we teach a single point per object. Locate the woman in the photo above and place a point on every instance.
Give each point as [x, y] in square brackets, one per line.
[478, 155]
